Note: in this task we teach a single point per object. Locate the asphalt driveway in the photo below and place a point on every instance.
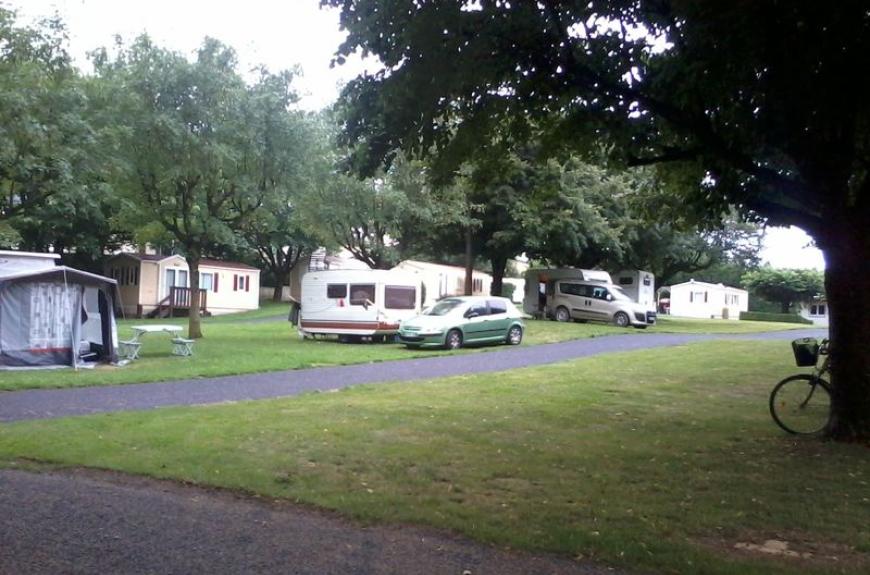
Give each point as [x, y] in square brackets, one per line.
[51, 403]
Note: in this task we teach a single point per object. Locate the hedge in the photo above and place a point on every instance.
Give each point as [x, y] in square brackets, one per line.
[780, 317]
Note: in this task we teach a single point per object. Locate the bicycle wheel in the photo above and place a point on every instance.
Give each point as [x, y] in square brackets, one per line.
[801, 404]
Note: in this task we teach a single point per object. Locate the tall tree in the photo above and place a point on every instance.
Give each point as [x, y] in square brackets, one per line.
[753, 104]
[785, 286]
[192, 168]
[284, 167]
[45, 138]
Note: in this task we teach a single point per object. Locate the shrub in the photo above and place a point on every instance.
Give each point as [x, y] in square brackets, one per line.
[780, 317]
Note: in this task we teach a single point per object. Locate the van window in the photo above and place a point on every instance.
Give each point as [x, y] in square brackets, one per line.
[400, 297]
[362, 294]
[599, 293]
[336, 291]
[496, 307]
[572, 289]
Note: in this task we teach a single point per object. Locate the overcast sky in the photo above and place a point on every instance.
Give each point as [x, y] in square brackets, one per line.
[280, 34]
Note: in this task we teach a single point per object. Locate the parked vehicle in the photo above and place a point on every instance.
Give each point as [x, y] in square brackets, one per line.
[588, 301]
[539, 283]
[638, 285]
[457, 321]
[357, 304]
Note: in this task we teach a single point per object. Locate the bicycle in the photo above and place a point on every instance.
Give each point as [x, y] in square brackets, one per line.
[801, 404]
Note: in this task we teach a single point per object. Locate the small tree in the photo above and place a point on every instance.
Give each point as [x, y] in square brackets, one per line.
[191, 168]
[785, 286]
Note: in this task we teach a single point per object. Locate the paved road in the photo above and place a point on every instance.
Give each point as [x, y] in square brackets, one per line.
[51, 403]
[91, 522]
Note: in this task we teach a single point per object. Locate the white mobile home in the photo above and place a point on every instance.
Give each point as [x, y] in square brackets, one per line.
[639, 285]
[538, 284]
[816, 311]
[356, 303]
[444, 281]
[708, 301]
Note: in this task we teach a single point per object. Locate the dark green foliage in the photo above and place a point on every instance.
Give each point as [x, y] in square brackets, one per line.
[778, 317]
[787, 287]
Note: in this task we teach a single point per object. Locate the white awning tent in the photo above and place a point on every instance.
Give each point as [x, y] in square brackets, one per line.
[56, 316]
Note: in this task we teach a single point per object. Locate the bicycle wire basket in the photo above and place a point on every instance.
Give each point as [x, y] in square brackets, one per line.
[806, 351]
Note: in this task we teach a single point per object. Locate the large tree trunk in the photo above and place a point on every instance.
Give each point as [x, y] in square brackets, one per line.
[499, 265]
[282, 278]
[846, 246]
[194, 327]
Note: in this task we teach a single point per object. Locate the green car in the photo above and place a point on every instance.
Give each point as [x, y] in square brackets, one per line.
[457, 321]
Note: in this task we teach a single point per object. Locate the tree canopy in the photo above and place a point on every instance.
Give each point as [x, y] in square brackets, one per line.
[757, 105]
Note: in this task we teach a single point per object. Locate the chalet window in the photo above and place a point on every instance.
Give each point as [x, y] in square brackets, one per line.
[206, 281]
[477, 285]
[336, 291]
[241, 283]
[817, 309]
[362, 294]
[400, 297]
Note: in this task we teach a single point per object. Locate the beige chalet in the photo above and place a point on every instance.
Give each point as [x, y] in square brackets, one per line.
[159, 286]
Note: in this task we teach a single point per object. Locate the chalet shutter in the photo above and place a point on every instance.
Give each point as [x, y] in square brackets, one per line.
[247, 283]
[214, 282]
[235, 282]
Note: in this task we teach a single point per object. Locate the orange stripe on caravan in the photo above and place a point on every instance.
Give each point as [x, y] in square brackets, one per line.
[349, 325]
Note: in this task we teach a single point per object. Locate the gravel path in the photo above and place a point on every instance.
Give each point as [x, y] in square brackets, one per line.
[51, 403]
[95, 522]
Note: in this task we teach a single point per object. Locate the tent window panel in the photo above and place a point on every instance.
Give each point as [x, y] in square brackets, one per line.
[50, 316]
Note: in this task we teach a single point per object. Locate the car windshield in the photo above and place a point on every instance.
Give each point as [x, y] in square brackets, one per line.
[618, 294]
[443, 307]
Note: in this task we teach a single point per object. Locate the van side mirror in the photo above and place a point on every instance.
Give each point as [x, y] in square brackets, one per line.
[609, 297]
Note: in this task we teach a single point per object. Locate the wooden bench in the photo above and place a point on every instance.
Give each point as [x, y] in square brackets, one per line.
[129, 349]
[182, 346]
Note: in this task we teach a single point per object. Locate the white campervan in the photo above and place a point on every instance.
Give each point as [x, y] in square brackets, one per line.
[639, 285]
[539, 285]
[357, 303]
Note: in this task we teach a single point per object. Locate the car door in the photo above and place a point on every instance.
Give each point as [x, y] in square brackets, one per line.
[600, 307]
[498, 320]
[476, 322]
[576, 297]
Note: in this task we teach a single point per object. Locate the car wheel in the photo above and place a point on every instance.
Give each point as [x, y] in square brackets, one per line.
[515, 335]
[453, 339]
[562, 314]
[621, 319]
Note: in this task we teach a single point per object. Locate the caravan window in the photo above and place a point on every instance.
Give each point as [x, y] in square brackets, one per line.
[362, 294]
[336, 291]
[627, 281]
[400, 297]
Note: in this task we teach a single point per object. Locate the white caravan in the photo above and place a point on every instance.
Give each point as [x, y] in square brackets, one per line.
[539, 285]
[357, 303]
[639, 285]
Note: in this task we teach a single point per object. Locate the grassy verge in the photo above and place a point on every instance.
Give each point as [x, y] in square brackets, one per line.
[688, 325]
[634, 459]
[235, 345]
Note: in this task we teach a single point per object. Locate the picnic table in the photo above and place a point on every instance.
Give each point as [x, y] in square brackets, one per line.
[180, 345]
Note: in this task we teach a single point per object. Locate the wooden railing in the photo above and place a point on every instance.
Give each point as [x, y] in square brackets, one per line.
[178, 299]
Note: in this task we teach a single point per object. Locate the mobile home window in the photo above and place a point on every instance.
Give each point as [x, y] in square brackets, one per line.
[400, 297]
[206, 281]
[336, 291]
[362, 294]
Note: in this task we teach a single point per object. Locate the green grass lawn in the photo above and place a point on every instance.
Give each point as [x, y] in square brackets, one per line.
[657, 460]
[233, 344]
[689, 325]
